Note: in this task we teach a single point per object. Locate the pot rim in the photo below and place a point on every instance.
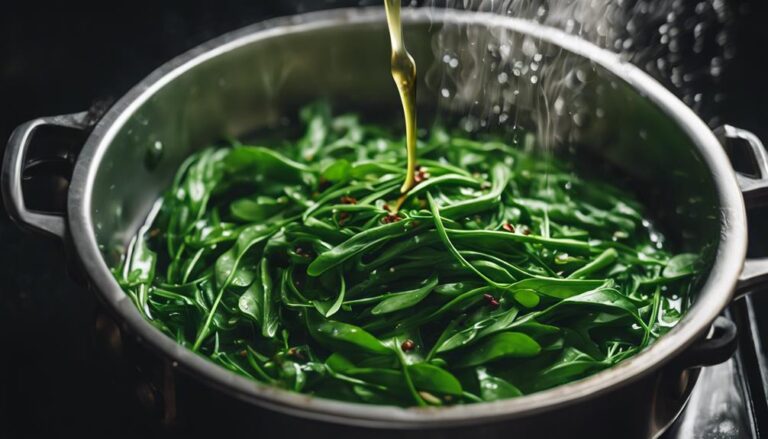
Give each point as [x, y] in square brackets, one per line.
[714, 295]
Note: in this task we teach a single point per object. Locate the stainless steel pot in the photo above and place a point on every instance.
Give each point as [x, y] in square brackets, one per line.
[251, 77]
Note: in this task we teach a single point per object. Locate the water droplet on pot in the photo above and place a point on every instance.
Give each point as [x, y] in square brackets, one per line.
[153, 155]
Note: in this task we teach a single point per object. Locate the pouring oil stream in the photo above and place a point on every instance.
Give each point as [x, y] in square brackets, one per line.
[404, 74]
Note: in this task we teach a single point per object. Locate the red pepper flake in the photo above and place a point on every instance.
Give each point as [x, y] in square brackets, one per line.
[386, 207]
[391, 218]
[243, 353]
[295, 352]
[492, 302]
[420, 175]
[508, 227]
[346, 199]
[526, 231]
[408, 345]
[343, 217]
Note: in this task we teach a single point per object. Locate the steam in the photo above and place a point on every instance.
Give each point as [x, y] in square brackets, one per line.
[497, 77]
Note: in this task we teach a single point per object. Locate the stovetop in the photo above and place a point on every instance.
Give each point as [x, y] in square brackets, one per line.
[66, 56]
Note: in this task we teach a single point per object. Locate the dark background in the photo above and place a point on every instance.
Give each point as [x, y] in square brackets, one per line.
[66, 57]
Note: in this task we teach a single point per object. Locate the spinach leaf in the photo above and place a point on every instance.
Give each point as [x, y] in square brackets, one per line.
[503, 345]
[405, 299]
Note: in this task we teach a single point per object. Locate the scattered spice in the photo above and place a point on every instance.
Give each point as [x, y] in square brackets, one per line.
[492, 302]
[346, 199]
[295, 352]
[391, 218]
[343, 217]
[408, 345]
[420, 175]
[508, 227]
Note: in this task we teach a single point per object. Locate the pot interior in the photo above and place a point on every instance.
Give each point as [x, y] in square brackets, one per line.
[482, 75]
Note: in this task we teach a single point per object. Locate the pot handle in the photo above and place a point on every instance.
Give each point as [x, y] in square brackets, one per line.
[13, 168]
[715, 349]
[755, 191]
[753, 187]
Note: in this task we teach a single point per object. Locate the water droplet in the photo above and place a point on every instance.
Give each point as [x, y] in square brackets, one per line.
[698, 30]
[570, 25]
[715, 67]
[153, 155]
[504, 50]
[559, 105]
[529, 47]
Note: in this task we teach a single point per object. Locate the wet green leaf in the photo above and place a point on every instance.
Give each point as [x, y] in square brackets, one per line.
[503, 345]
[405, 299]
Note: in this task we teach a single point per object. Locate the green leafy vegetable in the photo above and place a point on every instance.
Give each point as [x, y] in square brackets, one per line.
[504, 345]
[501, 273]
